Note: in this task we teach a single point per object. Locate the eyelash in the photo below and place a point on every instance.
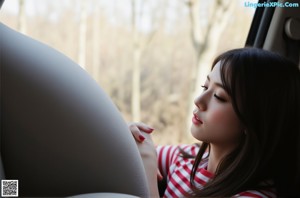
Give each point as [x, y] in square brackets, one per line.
[204, 87]
[215, 95]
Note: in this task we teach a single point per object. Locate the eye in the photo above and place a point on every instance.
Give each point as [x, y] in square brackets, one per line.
[204, 87]
[219, 98]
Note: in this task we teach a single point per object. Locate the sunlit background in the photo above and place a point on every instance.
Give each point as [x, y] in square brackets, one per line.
[150, 56]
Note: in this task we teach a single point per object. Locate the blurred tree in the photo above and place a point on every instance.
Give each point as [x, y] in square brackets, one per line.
[206, 39]
[139, 44]
[22, 17]
[96, 40]
[136, 92]
[82, 34]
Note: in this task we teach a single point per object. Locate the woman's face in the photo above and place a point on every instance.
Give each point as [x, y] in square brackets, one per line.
[215, 120]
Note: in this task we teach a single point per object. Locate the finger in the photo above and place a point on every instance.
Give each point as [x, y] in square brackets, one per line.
[159, 175]
[137, 134]
[144, 127]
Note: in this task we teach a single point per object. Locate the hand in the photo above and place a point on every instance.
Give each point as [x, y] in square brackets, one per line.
[137, 129]
[141, 133]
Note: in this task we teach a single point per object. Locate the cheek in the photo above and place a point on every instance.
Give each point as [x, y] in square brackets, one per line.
[224, 123]
[218, 116]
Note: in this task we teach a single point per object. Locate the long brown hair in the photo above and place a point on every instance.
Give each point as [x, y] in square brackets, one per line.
[265, 92]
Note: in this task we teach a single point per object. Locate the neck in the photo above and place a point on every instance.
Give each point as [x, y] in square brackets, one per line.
[216, 154]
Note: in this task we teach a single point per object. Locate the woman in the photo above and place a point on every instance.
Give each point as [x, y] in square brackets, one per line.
[247, 118]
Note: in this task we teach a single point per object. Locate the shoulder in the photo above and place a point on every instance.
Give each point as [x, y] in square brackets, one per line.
[189, 149]
[267, 191]
[258, 193]
[175, 151]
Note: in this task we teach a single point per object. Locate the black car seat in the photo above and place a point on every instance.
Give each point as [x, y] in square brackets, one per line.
[61, 135]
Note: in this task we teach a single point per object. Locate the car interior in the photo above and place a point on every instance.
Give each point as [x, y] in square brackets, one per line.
[276, 29]
[83, 148]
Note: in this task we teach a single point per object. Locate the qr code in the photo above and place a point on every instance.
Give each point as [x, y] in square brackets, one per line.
[9, 188]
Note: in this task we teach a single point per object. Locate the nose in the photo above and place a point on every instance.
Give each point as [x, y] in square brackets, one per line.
[200, 102]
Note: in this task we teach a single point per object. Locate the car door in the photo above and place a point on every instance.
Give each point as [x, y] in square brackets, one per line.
[276, 27]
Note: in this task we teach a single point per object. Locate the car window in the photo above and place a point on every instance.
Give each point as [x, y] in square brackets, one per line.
[149, 56]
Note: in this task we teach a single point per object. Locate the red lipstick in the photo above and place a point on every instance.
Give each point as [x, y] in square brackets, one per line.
[196, 120]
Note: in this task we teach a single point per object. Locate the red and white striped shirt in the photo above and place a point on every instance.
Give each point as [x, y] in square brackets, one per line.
[177, 170]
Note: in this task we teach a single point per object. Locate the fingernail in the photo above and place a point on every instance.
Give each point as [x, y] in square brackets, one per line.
[142, 138]
[150, 129]
[160, 177]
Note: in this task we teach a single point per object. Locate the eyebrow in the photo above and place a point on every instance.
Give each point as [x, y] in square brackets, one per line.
[216, 83]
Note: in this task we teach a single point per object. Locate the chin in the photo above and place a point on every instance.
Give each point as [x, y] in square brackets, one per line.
[195, 133]
[199, 134]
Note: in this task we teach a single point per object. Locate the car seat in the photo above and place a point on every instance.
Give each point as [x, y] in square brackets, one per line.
[61, 135]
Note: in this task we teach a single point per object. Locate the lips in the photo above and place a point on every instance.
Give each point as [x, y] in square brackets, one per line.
[196, 120]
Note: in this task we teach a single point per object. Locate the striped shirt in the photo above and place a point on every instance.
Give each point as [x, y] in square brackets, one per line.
[177, 170]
